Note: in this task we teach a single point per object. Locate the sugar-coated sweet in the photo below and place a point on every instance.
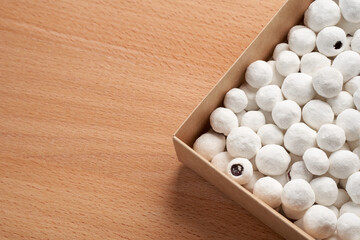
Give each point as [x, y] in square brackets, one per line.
[209, 144]
[279, 48]
[235, 100]
[282, 178]
[350, 10]
[331, 41]
[240, 170]
[250, 94]
[355, 42]
[298, 88]
[353, 187]
[277, 78]
[222, 120]
[343, 163]
[319, 222]
[256, 176]
[328, 82]
[350, 207]
[287, 62]
[357, 99]
[258, 74]
[315, 113]
[221, 160]
[270, 134]
[311, 62]
[253, 120]
[342, 198]
[298, 138]
[286, 113]
[243, 142]
[268, 190]
[330, 137]
[296, 27]
[267, 115]
[348, 63]
[272, 160]
[321, 14]
[297, 195]
[352, 85]
[325, 189]
[349, 120]
[348, 226]
[302, 41]
[268, 96]
[298, 170]
[341, 102]
[292, 213]
[316, 161]
[239, 116]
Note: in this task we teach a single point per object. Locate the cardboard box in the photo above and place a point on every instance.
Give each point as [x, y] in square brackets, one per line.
[198, 122]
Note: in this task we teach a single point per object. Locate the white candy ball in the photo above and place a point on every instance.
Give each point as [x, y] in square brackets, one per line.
[341, 102]
[239, 116]
[240, 170]
[316, 113]
[243, 142]
[350, 207]
[352, 85]
[330, 137]
[209, 144]
[355, 42]
[235, 100]
[298, 138]
[319, 222]
[331, 41]
[312, 62]
[353, 187]
[302, 41]
[328, 82]
[298, 87]
[277, 78]
[258, 74]
[272, 160]
[297, 195]
[221, 160]
[268, 96]
[348, 63]
[256, 176]
[268, 117]
[342, 198]
[293, 214]
[270, 134]
[287, 62]
[253, 120]
[222, 120]
[250, 94]
[357, 99]
[350, 10]
[279, 48]
[348, 226]
[286, 113]
[349, 120]
[343, 163]
[298, 170]
[316, 161]
[325, 189]
[321, 14]
[282, 179]
[296, 27]
[268, 190]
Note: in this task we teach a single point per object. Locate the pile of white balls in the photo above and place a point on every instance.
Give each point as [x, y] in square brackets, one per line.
[291, 133]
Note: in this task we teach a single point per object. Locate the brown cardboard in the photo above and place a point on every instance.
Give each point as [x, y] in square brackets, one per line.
[198, 122]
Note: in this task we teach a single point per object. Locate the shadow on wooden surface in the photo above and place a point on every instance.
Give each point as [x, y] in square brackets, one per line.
[203, 209]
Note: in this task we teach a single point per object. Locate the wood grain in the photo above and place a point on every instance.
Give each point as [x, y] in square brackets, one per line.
[90, 95]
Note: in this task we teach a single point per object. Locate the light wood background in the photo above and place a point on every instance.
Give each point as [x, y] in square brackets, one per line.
[91, 92]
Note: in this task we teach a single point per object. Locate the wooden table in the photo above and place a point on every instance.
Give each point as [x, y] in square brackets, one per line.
[90, 95]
